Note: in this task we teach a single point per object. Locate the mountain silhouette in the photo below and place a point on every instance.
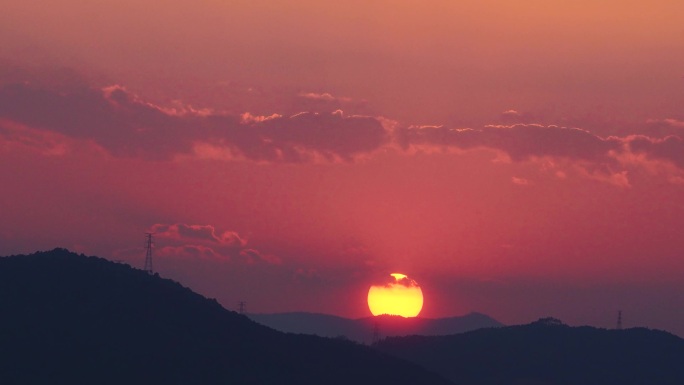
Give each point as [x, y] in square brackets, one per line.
[548, 352]
[362, 330]
[72, 319]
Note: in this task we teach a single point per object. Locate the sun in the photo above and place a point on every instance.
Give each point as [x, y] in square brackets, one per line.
[399, 296]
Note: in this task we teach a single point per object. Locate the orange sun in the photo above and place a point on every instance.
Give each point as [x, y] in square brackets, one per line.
[399, 296]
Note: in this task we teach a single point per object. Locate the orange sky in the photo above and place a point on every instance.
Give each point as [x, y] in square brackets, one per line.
[521, 159]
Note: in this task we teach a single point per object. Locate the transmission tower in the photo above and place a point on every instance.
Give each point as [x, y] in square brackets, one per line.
[619, 320]
[376, 333]
[242, 305]
[148, 255]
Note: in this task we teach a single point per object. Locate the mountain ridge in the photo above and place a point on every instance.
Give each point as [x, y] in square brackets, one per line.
[362, 329]
[70, 319]
[547, 352]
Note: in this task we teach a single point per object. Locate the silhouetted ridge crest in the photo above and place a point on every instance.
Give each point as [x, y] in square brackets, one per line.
[72, 319]
[361, 330]
[548, 352]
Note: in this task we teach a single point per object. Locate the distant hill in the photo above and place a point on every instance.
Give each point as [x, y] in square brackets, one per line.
[361, 330]
[72, 319]
[548, 353]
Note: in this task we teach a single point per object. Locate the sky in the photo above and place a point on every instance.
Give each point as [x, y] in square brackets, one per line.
[519, 159]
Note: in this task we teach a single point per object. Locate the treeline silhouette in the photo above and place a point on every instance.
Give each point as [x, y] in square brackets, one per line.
[547, 352]
[71, 319]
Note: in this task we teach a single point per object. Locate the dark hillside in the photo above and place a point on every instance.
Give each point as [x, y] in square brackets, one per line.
[550, 353]
[70, 319]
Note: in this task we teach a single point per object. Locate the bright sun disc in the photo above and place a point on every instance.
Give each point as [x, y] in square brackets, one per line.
[399, 296]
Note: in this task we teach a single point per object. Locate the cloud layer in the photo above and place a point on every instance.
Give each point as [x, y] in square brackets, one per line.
[520, 141]
[124, 125]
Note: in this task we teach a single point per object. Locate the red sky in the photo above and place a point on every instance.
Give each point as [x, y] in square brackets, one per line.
[521, 159]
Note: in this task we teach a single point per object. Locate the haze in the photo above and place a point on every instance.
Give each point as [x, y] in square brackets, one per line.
[520, 159]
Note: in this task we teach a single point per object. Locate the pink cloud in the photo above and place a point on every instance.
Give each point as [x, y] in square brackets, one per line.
[207, 233]
[324, 96]
[248, 118]
[520, 181]
[519, 142]
[240, 256]
[126, 126]
[670, 148]
[326, 102]
[189, 251]
[514, 117]
[617, 179]
[203, 241]
[674, 123]
[19, 136]
[121, 123]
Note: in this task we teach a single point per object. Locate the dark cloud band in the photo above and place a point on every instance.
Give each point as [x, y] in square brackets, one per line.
[126, 126]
